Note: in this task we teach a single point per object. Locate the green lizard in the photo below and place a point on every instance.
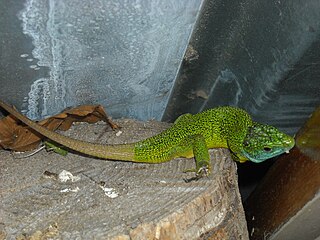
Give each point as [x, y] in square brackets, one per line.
[189, 136]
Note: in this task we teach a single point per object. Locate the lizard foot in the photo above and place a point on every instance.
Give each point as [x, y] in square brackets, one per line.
[201, 172]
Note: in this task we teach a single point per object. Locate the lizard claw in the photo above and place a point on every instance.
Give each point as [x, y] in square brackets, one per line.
[203, 171]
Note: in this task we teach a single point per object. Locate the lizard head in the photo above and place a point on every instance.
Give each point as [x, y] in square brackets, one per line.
[264, 141]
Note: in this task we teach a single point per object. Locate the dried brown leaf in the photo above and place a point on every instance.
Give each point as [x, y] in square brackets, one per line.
[17, 137]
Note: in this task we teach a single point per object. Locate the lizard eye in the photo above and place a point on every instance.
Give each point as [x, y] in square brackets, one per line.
[267, 149]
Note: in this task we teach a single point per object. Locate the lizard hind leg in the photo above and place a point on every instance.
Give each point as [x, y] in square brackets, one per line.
[201, 155]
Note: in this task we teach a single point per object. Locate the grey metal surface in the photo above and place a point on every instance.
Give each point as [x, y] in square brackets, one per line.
[122, 54]
[260, 55]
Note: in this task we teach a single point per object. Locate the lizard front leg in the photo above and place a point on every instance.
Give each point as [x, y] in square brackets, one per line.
[201, 154]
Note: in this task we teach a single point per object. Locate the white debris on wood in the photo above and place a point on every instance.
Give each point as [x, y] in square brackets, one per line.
[118, 133]
[109, 192]
[65, 176]
[66, 190]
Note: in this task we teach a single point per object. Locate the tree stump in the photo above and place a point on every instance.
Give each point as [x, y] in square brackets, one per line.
[103, 199]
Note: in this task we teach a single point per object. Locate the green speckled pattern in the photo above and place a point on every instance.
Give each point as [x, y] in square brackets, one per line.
[221, 127]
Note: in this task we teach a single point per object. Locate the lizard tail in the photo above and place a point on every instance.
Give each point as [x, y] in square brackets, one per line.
[124, 152]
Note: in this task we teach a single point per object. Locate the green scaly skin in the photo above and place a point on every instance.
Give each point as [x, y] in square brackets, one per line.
[190, 136]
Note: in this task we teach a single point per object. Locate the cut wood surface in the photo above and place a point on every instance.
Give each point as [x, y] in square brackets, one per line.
[117, 200]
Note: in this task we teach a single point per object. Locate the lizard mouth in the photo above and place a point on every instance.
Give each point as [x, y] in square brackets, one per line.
[262, 157]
